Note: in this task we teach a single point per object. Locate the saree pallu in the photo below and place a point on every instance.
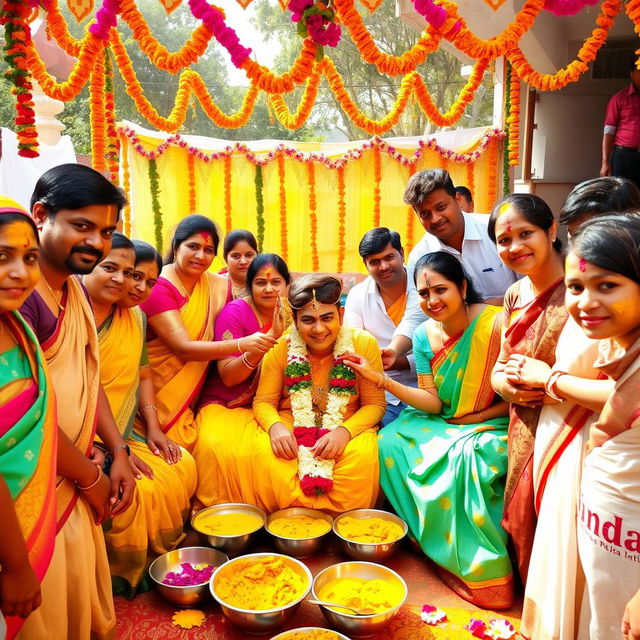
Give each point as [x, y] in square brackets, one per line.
[155, 520]
[446, 480]
[28, 445]
[534, 333]
[555, 581]
[177, 383]
[76, 590]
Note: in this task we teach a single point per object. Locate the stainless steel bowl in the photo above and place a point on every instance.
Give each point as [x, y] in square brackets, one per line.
[285, 634]
[171, 561]
[368, 551]
[231, 545]
[265, 621]
[299, 547]
[350, 624]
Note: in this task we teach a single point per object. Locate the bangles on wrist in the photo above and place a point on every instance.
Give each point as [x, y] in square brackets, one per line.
[550, 386]
[94, 483]
[245, 361]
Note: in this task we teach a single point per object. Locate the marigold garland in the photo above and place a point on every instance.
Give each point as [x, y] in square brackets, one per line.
[514, 119]
[313, 215]
[377, 178]
[284, 245]
[259, 207]
[342, 214]
[191, 173]
[227, 193]
[97, 113]
[154, 189]
[113, 142]
[126, 186]
[506, 183]
[492, 179]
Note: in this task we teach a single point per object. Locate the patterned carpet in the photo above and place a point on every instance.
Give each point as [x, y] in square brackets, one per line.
[148, 617]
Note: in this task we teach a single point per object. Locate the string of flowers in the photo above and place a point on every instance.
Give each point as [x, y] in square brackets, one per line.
[97, 113]
[284, 245]
[259, 206]
[316, 20]
[316, 475]
[342, 214]
[113, 142]
[507, 112]
[126, 186]
[191, 174]
[632, 8]
[14, 18]
[313, 215]
[227, 193]
[492, 179]
[377, 179]
[154, 190]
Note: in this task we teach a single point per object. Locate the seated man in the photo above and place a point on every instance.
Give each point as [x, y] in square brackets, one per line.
[378, 303]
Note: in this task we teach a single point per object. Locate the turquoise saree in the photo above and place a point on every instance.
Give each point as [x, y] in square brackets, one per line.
[447, 480]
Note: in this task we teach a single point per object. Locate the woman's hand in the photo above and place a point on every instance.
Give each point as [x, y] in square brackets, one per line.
[522, 395]
[98, 498]
[139, 467]
[362, 367]
[331, 445]
[631, 619]
[19, 589]
[257, 343]
[277, 323]
[97, 456]
[159, 444]
[283, 442]
[468, 418]
[389, 356]
[123, 483]
[527, 372]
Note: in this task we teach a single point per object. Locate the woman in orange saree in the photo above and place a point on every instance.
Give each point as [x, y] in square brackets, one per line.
[524, 230]
[28, 429]
[181, 313]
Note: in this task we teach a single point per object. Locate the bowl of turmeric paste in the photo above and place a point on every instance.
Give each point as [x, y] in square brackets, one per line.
[310, 633]
[369, 534]
[364, 586]
[229, 527]
[299, 532]
[260, 592]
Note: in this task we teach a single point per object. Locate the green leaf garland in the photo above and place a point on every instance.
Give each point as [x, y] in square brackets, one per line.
[154, 186]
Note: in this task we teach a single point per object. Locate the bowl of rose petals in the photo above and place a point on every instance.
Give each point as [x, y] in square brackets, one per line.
[182, 576]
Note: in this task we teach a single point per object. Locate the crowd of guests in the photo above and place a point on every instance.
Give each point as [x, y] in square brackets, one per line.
[488, 388]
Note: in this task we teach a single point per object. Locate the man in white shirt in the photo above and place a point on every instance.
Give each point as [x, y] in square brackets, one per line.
[378, 303]
[433, 197]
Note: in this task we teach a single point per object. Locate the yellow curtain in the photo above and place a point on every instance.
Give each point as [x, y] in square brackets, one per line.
[292, 220]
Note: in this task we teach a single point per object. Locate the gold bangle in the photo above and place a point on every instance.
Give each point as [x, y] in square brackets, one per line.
[248, 364]
[149, 406]
[95, 482]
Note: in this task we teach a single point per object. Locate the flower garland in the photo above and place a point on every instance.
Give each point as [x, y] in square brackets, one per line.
[259, 207]
[506, 182]
[113, 142]
[567, 7]
[154, 190]
[191, 173]
[14, 17]
[126, 186]
[514, 119]
[313, 215]
[377, 178]
[284, 245]
[342, 214]
[492, 180]
[316, 20]
[316, 475]
[632, 8]
[97, 113]
[227, 193]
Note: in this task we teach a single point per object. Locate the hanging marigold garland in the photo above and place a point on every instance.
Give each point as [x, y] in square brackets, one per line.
[259, 207]
[513, 119]
[227, 192]
[113, 142]
[97, 113]
[313, 214]
[126, 186]
[492, 179]
[377, 179]
[154, 189]
[506, 183]
[342, 214]
[191, 174]
[284, 245]
[14, 17]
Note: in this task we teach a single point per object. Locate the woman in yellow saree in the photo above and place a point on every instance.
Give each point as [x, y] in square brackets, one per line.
[28, 429]
[316, 442]
[181, 313]
[154, 522]
[225, 420]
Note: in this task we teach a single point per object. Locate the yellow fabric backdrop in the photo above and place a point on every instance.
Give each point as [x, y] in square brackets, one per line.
[359, 194]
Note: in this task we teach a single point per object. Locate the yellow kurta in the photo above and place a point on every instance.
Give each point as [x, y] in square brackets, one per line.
[154, 522]
[355, 474]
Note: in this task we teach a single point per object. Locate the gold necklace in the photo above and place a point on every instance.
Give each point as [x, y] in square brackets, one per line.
[184, 289]
[53, 295]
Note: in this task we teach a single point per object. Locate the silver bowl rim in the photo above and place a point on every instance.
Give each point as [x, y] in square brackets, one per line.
[186, 586]
[405, 526]
[263, 611]
[260, 512]
[325, 516]
[282, 634]
[352, 615]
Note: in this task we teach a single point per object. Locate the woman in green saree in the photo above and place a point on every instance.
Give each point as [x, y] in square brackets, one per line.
[443, 461]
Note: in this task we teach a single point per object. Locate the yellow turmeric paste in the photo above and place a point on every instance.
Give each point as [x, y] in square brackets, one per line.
[299, 526]
[314, 634]
[359, 593]
[371, 530]
[259, 584]
[226, 524]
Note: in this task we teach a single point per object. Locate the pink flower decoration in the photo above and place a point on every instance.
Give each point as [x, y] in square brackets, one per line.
[476, 627]
[297, 7]
[500, 629]
[432, 13]
[432, 615]
[567, 7]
